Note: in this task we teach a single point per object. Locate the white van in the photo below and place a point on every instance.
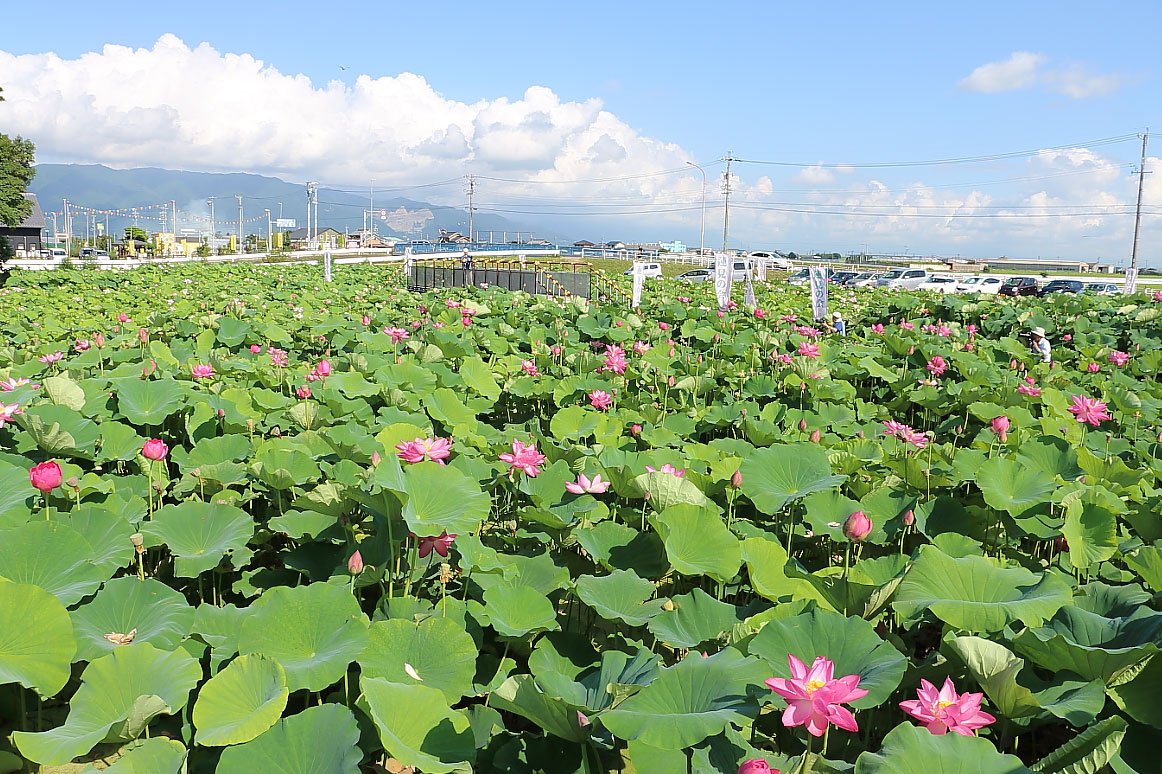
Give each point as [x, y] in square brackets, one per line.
[650, 270]
[773, 261]
[907, 279]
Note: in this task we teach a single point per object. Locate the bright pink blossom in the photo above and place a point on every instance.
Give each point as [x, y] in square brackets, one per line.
[615, 359]
[943, 710]
[529, 367]
[584, 484]
[756, 766]
[303, 392]
[12, 383]
[1093, 368]
[255, 349]
[278, 358]
[154, 449]
[877, 328]
[434, 449]
[914, 437]
[600, 400]
[907, 325]
[1028, 389]
[667, 468]
[46, 476]
[323, 369]
[202, 371]
[52, 358]
[396, 334]
[937, 366]
[1119, 358]
[809, 350]
[525, 458]
[814, 696]
[1088, 410]
[82, 345]
[1001, 426]
[640, 347]
[857, 527]
[894, 428]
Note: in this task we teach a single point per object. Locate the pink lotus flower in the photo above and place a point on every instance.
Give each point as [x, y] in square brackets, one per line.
[784, 358]
[365, 320]
[640, 347]
[894, 428]
[302, 393]
[809, 350]
[1093, 368]
[255, 349]
[971, 329]
[1000, 426]
[452, 304]
[1119, 358]
[907, 325]
[1028, 389]
[53, 358]
[790, 318]
[1088, 410]
[278, 358]
[323, 369]
[466, 321]
[814, 697]
[1068, 337]
[760, 314]
[583, 485]
[355, 563]
[202, 371]
[635, 430]
[46, 476]
[756, 766]
[557, 350]
[123, 318]
[857, 527]
[434, 449]
[937, 366]
[8, 412]
[154, 449]
[615, 359]
[943, 711]
[529, 367]
[878, 328]
[664, 326]
[12, 383]
[667, 468]
[600, 400]
[82, 345]
[396, 334]
[525, 458]
[441, 544]
[914, 437]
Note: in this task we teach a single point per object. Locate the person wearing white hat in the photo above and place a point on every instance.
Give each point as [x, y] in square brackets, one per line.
[838, 324]
[1042, 345]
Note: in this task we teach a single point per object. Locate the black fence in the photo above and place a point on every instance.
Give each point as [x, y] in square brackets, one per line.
[546, 279]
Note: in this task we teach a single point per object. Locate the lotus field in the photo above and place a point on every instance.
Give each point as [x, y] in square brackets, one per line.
[254, 522]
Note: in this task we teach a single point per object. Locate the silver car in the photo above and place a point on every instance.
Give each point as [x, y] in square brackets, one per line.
[907, 279]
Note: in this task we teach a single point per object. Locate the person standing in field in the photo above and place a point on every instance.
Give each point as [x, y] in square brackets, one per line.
[837, 323]
[1041, 345]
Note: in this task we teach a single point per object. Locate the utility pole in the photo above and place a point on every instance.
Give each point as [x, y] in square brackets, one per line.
[269, 243]
[1138, 215]
[310, 190]
[213, 231]
[702, 233]
[471, 206]
[726, 190]
[174, 204]
[239, 198]
[372, 207]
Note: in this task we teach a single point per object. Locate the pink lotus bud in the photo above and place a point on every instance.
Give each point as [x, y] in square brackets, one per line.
[736, 479]
[815, 435]
[911, 350]
[375, 459]
[323, 369]
[721, 314]
[1001, 427]
[802, 425]
[123, 318]
[909, 517]
[255, 349]
[355, 563]
[143, 335]
[99, 340]
[1068, 337]
[46, 476]
[636, 430]
[1013, 364]
[366, 320]
[154, 449]
[583, 720]
[670, 381]
[221, 413]
[756, 766]
[857, 527]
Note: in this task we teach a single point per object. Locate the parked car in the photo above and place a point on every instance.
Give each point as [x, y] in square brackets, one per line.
[1019, 286]
[841, 277]
[741, 269]
[939, 284]
[803, 276]
[907, 279]
[986, 285]
[776, 262]
[651, 270]
[1062, 286]
[88, 252]
[697, 275]
[866, 279]
[1103, 289]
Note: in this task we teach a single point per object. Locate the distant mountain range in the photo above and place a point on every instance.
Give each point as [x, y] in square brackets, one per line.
[103, 188]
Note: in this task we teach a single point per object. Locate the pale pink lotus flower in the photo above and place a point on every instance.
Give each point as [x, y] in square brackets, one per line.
[894, 428]
[82, 345]
[1028, 389]
[941, 711]
[396, 334]
[433, 449]
[684, 299]
[8, 412]
[790, 318]
[907, 325]
[1088, 410]
[615, 359]
[202, 371]
[944, 331]
[809, 350]
[441, 544]
[278, 358]
[583, 485]
[529, 367]
[11, 384]
[667, 468]
[53, 358]
[640, 347]
[600, 399]
[878, 328]
[1119, 358]
[302, 393]
[255, 349]
[937, 366]
[452, 304]
[914, 437]
[1093, 368]
[814, 696]
[524, 458]
[784, 358]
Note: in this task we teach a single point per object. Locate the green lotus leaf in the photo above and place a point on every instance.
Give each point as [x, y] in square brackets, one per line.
[479, 378]
[1009, 486]
[59, 431]
[437, 649]
[318, 740]
[1090, 645]
[53, 556]
[1138, 697]
[107, 534]
[1088, 752]
[538, 572]
[314, 631]
[696, 698]
[616, 546]
[145, 402]
[666, 490]
[240, 702]
[1052, 456]
[199, 534]
[441, 498]
[148, 756]
[521, 695]
[620, 596]
[63, 391]
[851, 643]
[777, 475]
[1092, 532]
[119, 694]
[516, 611]
[616, 678]
[284, 468]
[219, 627]
[974, 595]
[36, 638]
[765, 563]
[213, 451]
[907, 748]
[417, 727]
[696, 618]
[16, 496]
[1146, 561]
[698, 542]
[153, 611]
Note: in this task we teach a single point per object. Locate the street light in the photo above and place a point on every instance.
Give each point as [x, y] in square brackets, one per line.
[702, 235]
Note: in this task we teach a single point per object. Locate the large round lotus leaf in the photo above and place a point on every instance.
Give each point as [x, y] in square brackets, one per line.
[776, 475]
[852, 643]
[694, 699]
[1090, 645]
[1050, 455]
[1010, 486]
[698, 542]
[314, 631]
[516, 611]
[436, 649]
[284, 468]
[106, 532]
[539, 572]
[148, 756]
[666, 490]
[158, 614]
[765, 562]
[975, 595]
[36, 638]
[417, 727]
[240, 702]
[521, 695]
[908, 749]
[119, 694]
[318, 740]
[53, 556]
[1138, 698]
[695, 618]
[198, 534]
[616, 546]
[1092, 533]
[620, 596]
[599, 687]
[441, 498]
[145, 402]
[16, 496]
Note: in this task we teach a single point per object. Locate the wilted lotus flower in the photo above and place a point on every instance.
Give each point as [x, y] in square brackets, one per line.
[121, 639]
[303, 392]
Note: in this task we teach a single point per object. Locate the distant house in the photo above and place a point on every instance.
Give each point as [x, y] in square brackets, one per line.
[584, 243]
[615, 245]
[677, 246]
[300, 239]
[453, 238]
[366, 240]
[25, 239]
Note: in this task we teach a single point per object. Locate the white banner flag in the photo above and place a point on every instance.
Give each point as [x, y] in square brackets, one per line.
[1131, 282]
[723, 276]
[326, 265]
[407, 263]
[639, 280]
[762, 269]
[749, 300]
[819, 293]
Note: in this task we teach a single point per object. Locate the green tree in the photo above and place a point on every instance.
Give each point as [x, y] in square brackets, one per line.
[133, 232]
[16, 171]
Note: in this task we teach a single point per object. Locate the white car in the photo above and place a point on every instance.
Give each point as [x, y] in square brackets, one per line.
[650, 269]
[773, 261]
[987, 285]
[903, 279]
[867, 279]
[939, 284]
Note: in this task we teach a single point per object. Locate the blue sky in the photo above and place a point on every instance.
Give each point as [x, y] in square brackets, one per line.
[831, 83]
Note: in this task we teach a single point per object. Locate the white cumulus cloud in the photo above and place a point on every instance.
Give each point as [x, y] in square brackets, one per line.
[1019, 71]
[1025, 69]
